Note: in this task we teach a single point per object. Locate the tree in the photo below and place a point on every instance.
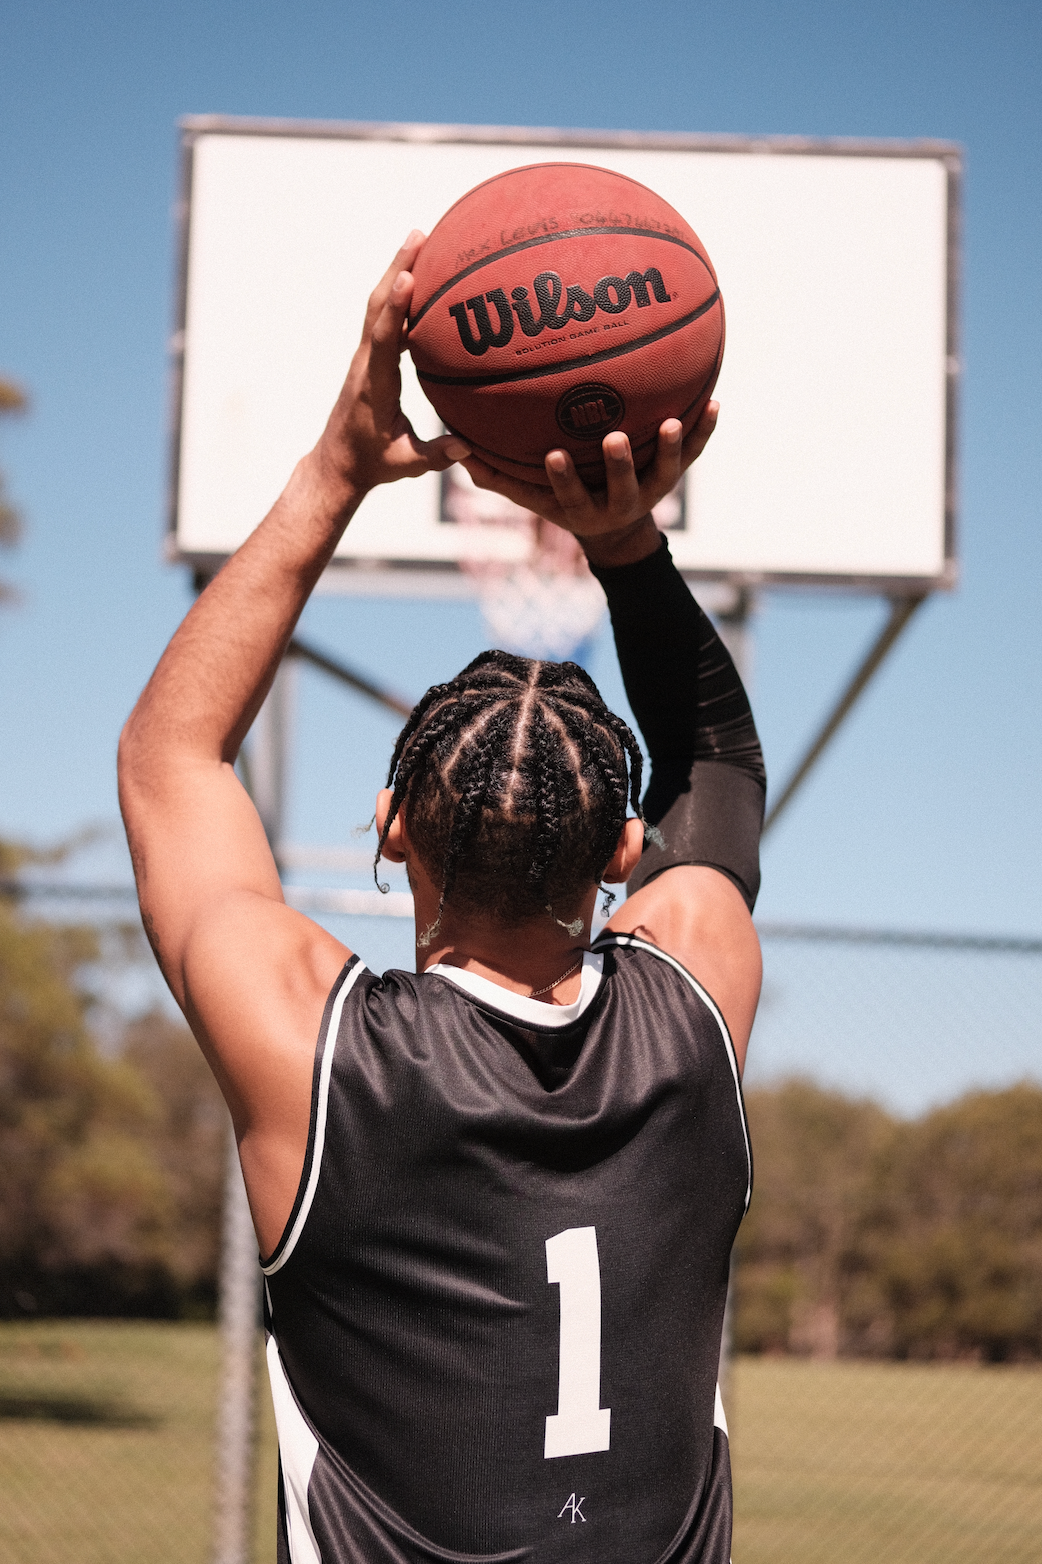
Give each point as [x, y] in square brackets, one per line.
[12, 400]
[110, 1161]
[815, 1153]
[869, 1236]
[953, 1236]
[80, 1188]
[189, 1140]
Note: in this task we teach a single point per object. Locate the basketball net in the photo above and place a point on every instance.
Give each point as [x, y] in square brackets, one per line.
[537, 595]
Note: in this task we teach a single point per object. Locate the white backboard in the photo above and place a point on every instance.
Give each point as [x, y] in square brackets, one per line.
[833, 460]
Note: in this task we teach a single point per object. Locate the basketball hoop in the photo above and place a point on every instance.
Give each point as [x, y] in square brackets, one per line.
[537, 595]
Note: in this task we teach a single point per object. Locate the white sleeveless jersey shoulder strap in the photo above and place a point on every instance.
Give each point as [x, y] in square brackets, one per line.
[286, 1248]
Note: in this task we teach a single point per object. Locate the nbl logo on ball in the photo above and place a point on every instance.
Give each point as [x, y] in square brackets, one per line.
[590, 411]
[612, 295]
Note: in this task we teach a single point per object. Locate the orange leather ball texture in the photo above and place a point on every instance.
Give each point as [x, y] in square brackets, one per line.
[557, 302]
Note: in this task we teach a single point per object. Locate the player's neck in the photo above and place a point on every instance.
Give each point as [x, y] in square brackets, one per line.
[539, 954]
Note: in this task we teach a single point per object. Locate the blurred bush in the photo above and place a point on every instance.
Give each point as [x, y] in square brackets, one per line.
[872, 1236]
[110, 1156]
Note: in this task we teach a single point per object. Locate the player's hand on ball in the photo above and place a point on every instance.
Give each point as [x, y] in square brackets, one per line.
[625, 500]
[368, 439]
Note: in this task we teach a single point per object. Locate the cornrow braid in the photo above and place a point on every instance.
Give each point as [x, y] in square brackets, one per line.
[436, 692]
[550, 786]
[516, 777]
[606, 755]
[407, 765]
[476, 785]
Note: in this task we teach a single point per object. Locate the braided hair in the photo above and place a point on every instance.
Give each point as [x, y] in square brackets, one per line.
[517, 777]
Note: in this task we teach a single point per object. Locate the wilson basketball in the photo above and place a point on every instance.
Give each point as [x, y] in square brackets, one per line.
[556, 303]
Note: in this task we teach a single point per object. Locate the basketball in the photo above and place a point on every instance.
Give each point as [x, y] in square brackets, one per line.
[556, 303]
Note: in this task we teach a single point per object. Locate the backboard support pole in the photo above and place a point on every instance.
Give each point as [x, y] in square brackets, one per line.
[270, 747]
[901, 611]
[350, 676]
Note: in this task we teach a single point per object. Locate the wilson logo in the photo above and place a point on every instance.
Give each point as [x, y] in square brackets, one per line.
[590, 411]
[557, 307]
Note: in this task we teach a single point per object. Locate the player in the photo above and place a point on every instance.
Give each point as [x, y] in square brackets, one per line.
[495, 1204]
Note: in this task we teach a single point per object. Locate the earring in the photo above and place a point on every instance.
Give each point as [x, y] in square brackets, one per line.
[424, 939]
[574, 928]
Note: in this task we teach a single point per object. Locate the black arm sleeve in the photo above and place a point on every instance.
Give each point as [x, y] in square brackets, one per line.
[708, 784]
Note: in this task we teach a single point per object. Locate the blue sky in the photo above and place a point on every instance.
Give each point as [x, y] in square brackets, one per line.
[925, 812]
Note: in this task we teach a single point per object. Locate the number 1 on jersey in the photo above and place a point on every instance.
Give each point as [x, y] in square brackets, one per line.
[581, 1425]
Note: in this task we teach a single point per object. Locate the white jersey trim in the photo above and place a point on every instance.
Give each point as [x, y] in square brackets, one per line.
[285, 1250]
[653, 950]
[719, 1415]
[521, 1006]
[298, 1449]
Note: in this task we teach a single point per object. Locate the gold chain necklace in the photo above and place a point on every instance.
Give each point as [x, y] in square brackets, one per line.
[574, 968]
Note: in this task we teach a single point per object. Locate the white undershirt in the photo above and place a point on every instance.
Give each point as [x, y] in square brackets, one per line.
[521, 1006]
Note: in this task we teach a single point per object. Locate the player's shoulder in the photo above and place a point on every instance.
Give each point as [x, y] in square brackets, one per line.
[694, 915]
[393, 1000]
[634, 960]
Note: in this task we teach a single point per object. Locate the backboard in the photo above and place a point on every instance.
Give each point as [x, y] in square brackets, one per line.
[833, 463]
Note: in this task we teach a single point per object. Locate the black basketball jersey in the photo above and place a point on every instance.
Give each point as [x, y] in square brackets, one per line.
[494, 1316]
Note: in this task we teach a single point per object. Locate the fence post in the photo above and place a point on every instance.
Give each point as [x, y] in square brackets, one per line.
[266, 776]
[239, 1303]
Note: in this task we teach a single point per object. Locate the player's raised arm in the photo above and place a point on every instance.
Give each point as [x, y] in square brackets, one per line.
[250, 974]
[706, 795]
[193, 832]
[694, 889]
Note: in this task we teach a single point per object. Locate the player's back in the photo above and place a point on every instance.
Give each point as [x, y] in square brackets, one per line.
[495, 1313]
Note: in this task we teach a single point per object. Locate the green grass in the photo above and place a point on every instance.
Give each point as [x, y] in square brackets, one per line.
[859, 1463]
[106, 1445]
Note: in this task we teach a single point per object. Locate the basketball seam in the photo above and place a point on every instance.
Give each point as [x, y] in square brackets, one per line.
[591, 460]
[579, 461]
[526, 168]
[528, 244]
[702, 389]
[538, 372]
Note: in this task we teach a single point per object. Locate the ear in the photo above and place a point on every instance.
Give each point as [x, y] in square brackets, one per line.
[626, 856]
[394, 847]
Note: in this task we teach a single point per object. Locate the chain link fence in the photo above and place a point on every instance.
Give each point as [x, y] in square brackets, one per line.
[107, 1449]
[886, 1395]
[859, 1433]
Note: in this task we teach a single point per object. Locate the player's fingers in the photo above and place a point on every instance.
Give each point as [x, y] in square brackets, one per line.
[442, 451]
[387, 327]
[403, 262]
[667, 467]
[572, 495]
[623, 488]
[386, 341]
[698, 439]
[527, 495]
[407, 456]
